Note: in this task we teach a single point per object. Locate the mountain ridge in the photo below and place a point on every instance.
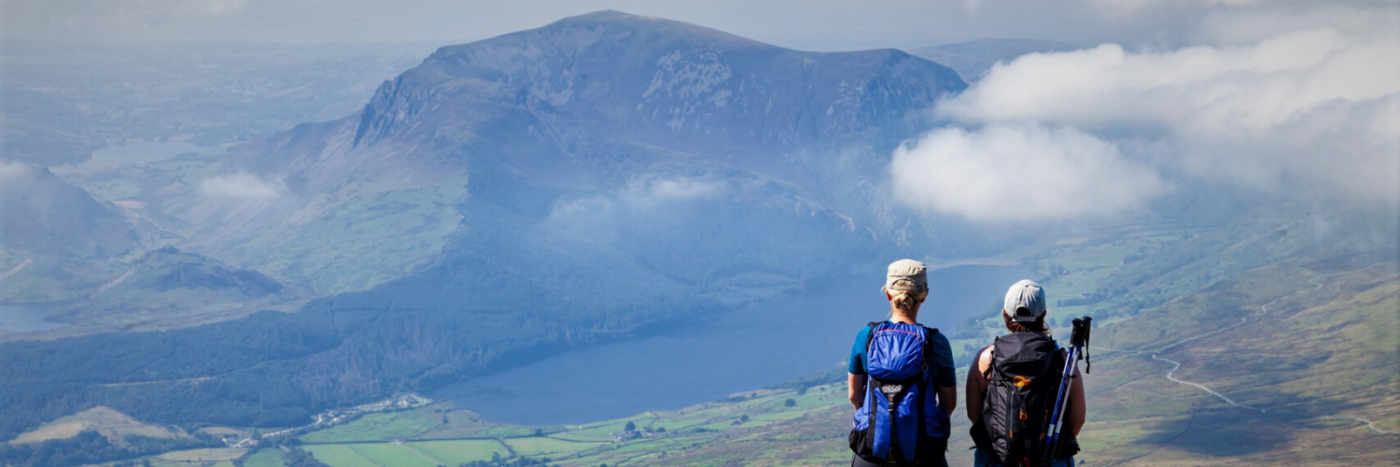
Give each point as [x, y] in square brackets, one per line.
[588, 107]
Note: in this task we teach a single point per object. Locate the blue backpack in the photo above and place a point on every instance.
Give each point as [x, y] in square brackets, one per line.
[900, 421]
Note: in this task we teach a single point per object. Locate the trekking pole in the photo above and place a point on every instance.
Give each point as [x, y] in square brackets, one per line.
[1079, 337]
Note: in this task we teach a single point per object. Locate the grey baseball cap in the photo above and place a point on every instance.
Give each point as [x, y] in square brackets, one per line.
[915, 271]
[1025, 302]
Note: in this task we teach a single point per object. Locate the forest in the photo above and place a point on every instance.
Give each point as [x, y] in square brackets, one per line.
[90, 447]
[276, 369]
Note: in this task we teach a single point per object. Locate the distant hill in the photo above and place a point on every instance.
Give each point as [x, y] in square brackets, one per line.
[45, 216]
[82, 261]
[972, 59]
[167, 287]
[56, 239]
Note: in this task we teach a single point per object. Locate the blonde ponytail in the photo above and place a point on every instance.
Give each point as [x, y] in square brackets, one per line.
[904, 301]
[905, 294]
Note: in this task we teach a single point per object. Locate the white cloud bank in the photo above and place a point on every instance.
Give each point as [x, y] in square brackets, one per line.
[1314, 104]
[240, 186]
[1020, 173]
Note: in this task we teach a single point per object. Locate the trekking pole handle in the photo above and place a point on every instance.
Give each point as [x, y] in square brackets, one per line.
[1079, 335]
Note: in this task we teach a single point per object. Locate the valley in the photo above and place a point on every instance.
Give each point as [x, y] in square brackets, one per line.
[614, 240]
[1159, 391]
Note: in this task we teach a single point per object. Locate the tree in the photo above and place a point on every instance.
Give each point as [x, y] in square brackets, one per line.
[789, 403]
[630, 427]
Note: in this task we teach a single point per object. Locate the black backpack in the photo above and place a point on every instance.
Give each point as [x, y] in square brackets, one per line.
[1022, 383]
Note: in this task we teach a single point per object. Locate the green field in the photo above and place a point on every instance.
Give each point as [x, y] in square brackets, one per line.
[460, 451]
[268, 457]
[464, 424]
[547, 447]
[340, 455]
[392, 454]
[385, 426]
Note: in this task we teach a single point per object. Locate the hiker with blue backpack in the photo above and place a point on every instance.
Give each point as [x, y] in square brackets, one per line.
[902, 382]
[1023, 410]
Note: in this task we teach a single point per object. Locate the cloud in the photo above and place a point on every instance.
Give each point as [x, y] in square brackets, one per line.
[14, 170]
[1020, 173]
[652, 192]
[238, 186]
[1230, 92]
[598, 217]
[1311, 105]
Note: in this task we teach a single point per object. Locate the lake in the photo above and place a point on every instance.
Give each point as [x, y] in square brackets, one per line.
[141, 153]
[738, 350]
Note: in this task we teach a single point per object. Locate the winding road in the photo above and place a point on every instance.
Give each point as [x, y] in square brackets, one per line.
[1170, 375]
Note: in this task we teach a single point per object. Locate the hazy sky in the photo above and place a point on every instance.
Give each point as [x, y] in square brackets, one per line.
[804, 24]
[1281, 95]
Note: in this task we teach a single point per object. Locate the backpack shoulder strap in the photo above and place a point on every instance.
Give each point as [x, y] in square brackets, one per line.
[871, 336]
[928, 339]
[991, 363]
[928, 347]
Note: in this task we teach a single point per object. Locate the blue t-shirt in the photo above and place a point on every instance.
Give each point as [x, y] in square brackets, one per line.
[941, 366]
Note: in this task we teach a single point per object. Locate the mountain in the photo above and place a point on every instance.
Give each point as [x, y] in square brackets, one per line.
[590, 180]
[972, 59]
[577, 131]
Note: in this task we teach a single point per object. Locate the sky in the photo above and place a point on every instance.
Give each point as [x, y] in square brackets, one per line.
[1271, 95]
[804, 24]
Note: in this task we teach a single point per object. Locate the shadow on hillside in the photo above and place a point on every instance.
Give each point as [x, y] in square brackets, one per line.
[1231, 432]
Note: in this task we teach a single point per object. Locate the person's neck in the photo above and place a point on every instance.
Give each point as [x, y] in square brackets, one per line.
[899, 317]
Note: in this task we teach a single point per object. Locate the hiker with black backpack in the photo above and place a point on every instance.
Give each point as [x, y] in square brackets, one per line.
[902, 382]
[1015, 397]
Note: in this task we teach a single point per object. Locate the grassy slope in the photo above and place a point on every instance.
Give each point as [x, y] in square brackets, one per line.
[1316, 352]
[112, 424]
[693, 434]
[1300, 350]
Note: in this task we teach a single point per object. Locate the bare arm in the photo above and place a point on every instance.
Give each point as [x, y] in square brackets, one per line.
[948, 398]
[856, 389]
[1074, 417]
[976, 387]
